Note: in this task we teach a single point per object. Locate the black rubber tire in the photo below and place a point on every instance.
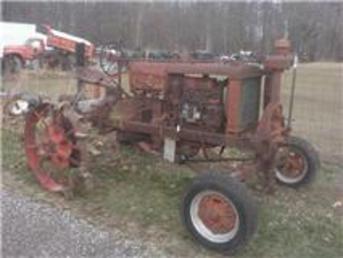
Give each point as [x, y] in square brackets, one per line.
[312, 158]
[238, 194]
[12, 64]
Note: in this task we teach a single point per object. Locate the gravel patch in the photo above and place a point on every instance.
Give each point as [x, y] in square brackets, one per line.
[33, 229]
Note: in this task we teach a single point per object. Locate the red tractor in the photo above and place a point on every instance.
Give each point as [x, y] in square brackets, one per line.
[185, 111]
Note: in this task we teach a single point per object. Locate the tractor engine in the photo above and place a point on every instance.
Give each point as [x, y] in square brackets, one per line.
[199, 102]
[161, 99]
[176, 100]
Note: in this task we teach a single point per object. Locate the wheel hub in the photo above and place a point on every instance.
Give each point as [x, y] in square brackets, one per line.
[214, 216]
[217, 214]
[59, 146]
[294, 165]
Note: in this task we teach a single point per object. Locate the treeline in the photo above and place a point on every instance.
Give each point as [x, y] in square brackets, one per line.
[314, 28]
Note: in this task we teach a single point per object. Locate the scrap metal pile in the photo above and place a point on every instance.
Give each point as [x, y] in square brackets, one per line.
[182, 110]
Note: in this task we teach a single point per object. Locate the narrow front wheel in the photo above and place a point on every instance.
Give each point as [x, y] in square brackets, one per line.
[301, 164]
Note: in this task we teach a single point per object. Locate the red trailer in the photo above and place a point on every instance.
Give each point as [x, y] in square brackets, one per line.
[63, 48]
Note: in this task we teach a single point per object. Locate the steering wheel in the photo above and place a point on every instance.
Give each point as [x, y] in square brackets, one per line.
[112, 60]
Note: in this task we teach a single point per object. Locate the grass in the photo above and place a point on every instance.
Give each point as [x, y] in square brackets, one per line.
[46, 83]
[132, 187]
[145, 183]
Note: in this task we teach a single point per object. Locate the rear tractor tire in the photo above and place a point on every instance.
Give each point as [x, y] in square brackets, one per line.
[301, 164]
[219, 212]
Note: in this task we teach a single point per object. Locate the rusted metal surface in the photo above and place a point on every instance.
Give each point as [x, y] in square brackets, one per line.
[234, 71]
[217, 214]
[94, 76]
[270, 134]
[233, 97]
[197, 105]
[152, 76]
[145, 76]
[50, 138]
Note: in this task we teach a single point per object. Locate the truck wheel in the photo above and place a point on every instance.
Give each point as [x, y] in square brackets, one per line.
[12, 64]
[219, 212]
[301, 165]
[17, 64]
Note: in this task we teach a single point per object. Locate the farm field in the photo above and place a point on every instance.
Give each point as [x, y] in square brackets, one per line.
[141, 194]
[318, 107]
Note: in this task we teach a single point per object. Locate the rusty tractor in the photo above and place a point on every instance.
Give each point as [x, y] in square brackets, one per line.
[185, 111]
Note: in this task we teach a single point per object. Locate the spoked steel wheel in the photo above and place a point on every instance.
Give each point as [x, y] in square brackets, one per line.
[301, 164]
[219, 212]
[112, 61]
[51, 148]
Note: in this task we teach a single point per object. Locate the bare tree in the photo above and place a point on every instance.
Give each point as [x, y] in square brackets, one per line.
[315, 29]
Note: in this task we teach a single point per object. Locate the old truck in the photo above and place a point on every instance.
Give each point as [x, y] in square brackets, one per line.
[184, 111]
[20, 45]
[15, 57]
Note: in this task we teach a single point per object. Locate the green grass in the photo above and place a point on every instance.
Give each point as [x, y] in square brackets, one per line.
[144, 185]
[138, 188]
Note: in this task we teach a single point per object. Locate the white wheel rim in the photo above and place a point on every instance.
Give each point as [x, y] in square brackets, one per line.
[203, 229]
[19, 107]
[292, 180]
